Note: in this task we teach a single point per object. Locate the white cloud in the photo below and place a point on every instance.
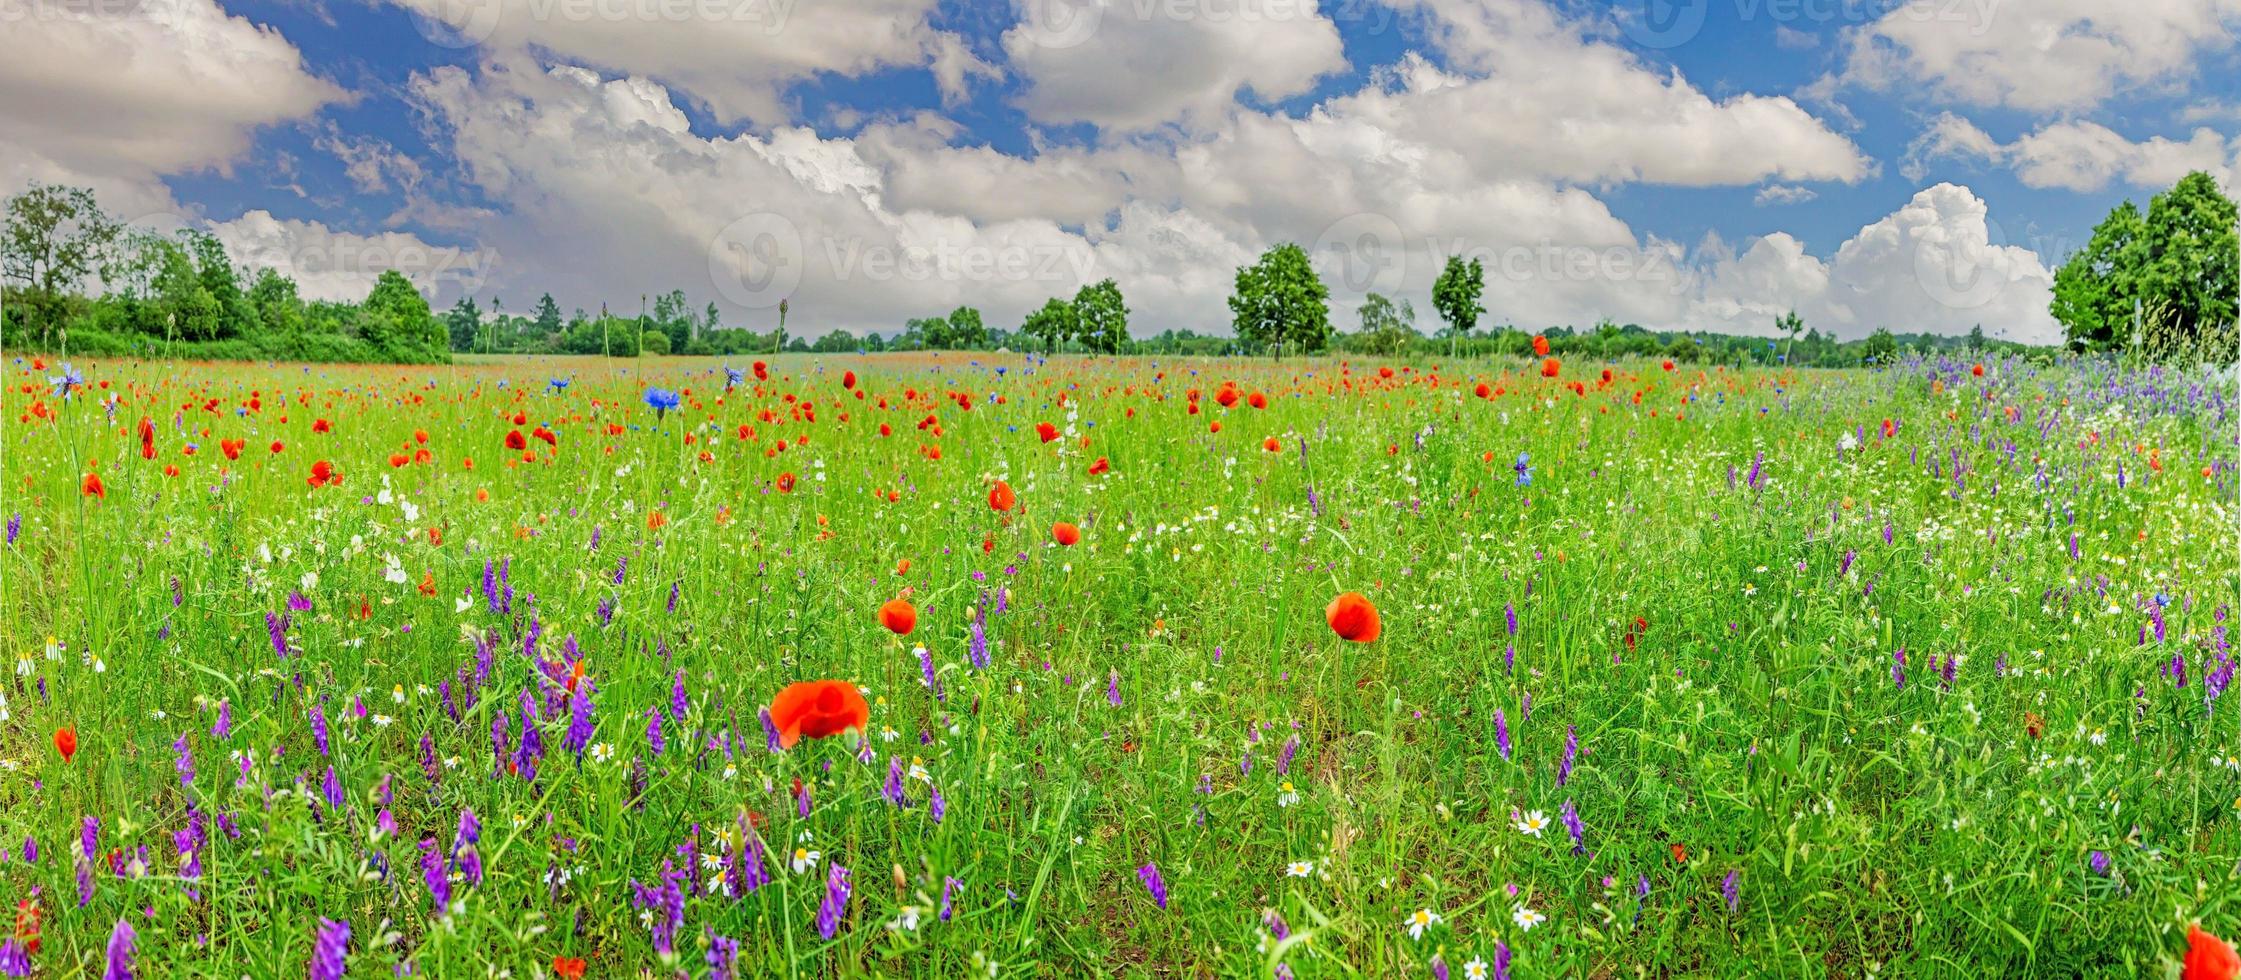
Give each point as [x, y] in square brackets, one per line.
[2041, 55]
[128, 91]
[2083, 156]
[1136, 64]
[1935, 265]
[336, 265]
[736, 56]
[1777, 194]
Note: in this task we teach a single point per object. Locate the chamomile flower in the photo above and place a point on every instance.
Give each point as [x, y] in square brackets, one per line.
[1420, 920]
[805, 860]
[1475, 969]
[1299, 869]
[602, 752]
[1526, 918]
[1287, 794]
[1534, 822]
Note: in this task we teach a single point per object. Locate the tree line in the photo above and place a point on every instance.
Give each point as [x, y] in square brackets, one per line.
[2163, 279]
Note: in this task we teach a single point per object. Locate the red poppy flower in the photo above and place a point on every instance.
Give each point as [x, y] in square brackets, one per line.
[545, 435]
[762, 371]
[27, 924]
[2209, 958]
[1978, 370]
[321, 425]
[1352, 617]
[516, 441]
[848, 379]
[398, 459]
[1101, 467]
[66, 742]
[1046, 432]
[277, 447]
[899, 616]
[818, 709]
[1540, 346]
[1227, 397]
[231, 447]
[1483, 391]
[568, 968]
[1272, 445]
[91, 486]
[785, 483]
[1257, 400]
[1668, 365]
[1065, 534]
[1001, 497]
[1550, 367]
[322, 474]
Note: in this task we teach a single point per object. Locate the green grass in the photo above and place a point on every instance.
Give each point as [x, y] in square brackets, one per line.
[1754, 723]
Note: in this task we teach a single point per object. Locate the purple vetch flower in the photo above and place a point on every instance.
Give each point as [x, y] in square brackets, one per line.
[1502, 735]
[1501, 960]
[223, 728]
[330, 952]
[1509, 617]
[1284, 756]
[319, 728]
[276, 627]
[926, 673]
[1439, 967]
[770, 730]
[15, 961]
[428, 765]
[936, 806]
[578, 735]
[2100, 863]
[1509, 659]
[1758, 466]
[331, 788]
[15, 526]
[666, 905]
[653, 731]
[744, 870]
[186, 761]
[120, 952]
[1570, 815]
[1845, 567]
[1112, 690]
[30, 849]
[835, 905]
[673, 586]
[678, 702]
[1571, 751]
[1731, 888]
[976, 649]
[1898, 668]
[893, 790]
[723, 957]
[1153, 883]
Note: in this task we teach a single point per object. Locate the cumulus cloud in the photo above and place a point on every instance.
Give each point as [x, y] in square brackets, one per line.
[2041, 56]
[129, 91]
[337, 265]
[737, 57]
[1937, 264]
[1134, 64]
[2082, 156]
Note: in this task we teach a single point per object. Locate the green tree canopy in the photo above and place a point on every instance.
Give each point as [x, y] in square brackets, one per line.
[1279, 302]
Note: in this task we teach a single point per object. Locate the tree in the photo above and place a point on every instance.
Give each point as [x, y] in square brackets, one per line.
[56, 236]
[1279, 301]
[548, 316]
[219, 277]
[1101, 317]
[966, 332]
[183, 303]
[462, 321]
[1880, 347]
[710, 320]
[653, 342]
[1789, 325]
[1455, 295]
[2178, 265]
[1052, 324]
[278, 307]
[1387, 327]
[399, 320]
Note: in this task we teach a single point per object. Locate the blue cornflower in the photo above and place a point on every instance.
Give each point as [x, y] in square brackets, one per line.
[1524, 469]
[661, 400]
[64, 382]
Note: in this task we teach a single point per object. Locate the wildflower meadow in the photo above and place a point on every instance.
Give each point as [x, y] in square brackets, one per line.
[999, 665]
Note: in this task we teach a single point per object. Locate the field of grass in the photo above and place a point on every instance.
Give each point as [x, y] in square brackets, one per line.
[1682, 671]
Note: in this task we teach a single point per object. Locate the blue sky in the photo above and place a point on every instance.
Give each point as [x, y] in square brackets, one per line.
[1919, 166]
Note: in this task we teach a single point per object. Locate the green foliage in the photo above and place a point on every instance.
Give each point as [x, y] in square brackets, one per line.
[56, 237]
[1279, 302]
[1388, 328]
[2178, 265]
[1456, 295]
[653, 343]
[1100, 317]
[966, 330]
[1053, 324]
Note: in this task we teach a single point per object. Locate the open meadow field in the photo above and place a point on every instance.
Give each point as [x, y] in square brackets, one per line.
[956, 664]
